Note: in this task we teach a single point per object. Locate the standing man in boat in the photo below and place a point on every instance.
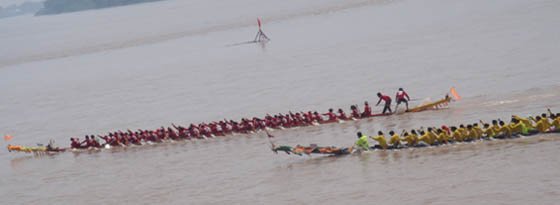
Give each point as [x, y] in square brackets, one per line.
[401, 97]
[387, 100]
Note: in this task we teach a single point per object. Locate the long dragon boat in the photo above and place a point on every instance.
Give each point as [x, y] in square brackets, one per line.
[296, 150]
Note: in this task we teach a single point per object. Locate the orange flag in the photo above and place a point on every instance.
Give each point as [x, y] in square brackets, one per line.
[454, 93]
[8, 137]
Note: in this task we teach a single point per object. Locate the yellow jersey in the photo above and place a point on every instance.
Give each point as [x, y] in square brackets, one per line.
[489, 132]
[457, 136]
[381, 141]
[443, 137]
[426, 138]
[471, 135]
[395, 140]
[478, 132]
[525, 121]
[556, 123]
[505, 130]
[411, 140]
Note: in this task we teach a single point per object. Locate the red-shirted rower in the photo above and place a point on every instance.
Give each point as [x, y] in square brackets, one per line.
[331, 115]
[367, 110]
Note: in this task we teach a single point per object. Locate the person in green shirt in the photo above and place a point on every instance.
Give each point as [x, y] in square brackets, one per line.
[362, 142]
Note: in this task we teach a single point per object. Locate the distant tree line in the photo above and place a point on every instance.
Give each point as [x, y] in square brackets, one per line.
[21, 9]
[63, 6]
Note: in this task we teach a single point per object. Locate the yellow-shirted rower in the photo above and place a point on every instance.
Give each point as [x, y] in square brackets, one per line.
[505, 131]
[424, 137]
[443, 137]
[543, 125]
[395, 140]
[471, 134]
[495, 127]
[525, 121]
[463, 130]
[456, 135]
[380, 140]
[433, 136]
[518, 127]
[479, 132]
[488, 131]
[410, 139]
[556, 123]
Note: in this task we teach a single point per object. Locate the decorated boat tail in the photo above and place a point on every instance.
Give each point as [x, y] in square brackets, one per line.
[35, 149]
[312, 149]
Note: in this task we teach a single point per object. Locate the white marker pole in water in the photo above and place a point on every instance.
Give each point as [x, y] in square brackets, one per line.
[261, 37]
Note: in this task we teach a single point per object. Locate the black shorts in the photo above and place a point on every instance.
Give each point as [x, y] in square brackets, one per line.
[399, 101]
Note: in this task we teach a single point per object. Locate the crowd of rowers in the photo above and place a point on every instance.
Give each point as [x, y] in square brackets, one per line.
[498, 129]
[227, 127]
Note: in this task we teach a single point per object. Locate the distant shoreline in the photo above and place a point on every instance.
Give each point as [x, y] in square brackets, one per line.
[65, 6]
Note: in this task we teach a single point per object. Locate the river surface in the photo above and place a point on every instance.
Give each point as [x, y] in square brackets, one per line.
[176, 61]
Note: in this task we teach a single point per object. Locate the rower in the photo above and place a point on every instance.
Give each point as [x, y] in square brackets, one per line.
[317, 117]
[342, 115]
[75, 144]
[505, 131]
[381, 142]
[555, 121]
[95, 142]
[411, 140]
[442, 136]
[426, 138]
[463, 131]
[446, 129]
[477, 130]
[362, 142]
[387, 101]
[495, 127]
[433, 136]
[355, 112]
[395, 140]
[401, 97]
[525, 121]
[518, 127]
[488, 131]
[471, 134]
[543, 125]
[331, 115]
[86, 143]
[456, 135]
[367, 110]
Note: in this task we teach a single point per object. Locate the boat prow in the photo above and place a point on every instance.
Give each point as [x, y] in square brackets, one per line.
[432, 106]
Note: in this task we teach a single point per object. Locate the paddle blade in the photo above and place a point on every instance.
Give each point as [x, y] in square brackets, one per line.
[455, 94]
[269, 135]
[8, 138]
